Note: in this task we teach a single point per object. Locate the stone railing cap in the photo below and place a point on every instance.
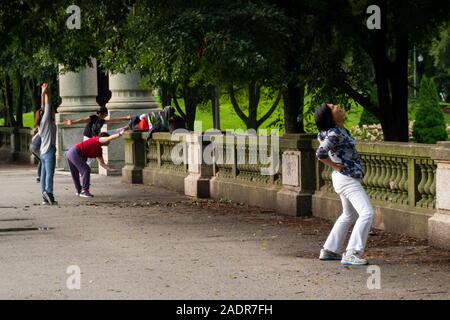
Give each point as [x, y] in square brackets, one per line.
[441, 151]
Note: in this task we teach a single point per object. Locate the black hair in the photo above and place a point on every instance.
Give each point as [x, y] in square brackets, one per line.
[324, 118]
[103, 110]
[103, 134]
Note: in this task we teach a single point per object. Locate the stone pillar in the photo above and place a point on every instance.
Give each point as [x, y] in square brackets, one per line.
[197, 183]
[439, 223]
[298, 176]
[78, 91]
[127, 98]
[135, 157]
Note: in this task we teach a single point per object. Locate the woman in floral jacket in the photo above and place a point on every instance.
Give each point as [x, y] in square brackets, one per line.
[337, 150]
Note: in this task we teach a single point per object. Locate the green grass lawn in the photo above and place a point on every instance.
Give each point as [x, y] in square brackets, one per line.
[28, 120]
[229, 119]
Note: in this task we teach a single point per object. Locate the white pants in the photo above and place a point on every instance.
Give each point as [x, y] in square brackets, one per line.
[355, 207]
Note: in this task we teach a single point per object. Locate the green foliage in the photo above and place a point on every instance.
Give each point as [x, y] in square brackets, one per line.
[440, 49]
[429, 126]
[367, 118]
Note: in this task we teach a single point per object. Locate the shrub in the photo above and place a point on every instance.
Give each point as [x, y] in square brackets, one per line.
[374, 132]
[429, 125]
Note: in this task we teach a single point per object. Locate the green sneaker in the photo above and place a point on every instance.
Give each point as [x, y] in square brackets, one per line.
[353, 260]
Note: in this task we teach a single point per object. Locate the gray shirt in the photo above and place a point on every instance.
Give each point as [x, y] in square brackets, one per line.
[47, 130]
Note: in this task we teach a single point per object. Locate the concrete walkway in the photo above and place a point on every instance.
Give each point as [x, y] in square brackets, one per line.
[141, 242]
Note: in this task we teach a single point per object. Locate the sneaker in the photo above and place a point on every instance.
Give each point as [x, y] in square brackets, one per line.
[353, 260]
[86, 194]
[327, 255]
[49, 198]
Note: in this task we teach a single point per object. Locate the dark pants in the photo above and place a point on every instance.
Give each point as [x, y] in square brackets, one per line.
[35, 151]
[78, 166]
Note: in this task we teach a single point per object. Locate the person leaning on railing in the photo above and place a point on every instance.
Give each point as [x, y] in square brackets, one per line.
[337, 150]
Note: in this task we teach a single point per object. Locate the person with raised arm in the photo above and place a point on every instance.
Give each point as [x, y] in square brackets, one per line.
[95, 122]
[47, 132]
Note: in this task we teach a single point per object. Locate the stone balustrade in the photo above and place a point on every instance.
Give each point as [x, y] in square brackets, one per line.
[14, 145]
[406, 182]
[241, 157]
[395, 173]
[160, 169]
[240, 162]
[400, 179]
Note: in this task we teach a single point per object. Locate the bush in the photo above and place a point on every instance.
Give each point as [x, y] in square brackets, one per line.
[371, 132]
[429, 125]
[374, 132]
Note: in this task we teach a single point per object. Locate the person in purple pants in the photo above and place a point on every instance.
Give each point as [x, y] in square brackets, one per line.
[76, 158]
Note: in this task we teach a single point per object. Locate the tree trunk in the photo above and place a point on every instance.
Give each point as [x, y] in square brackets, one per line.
[8, 97]
[166, 96]
[190, 104]
[34, 93]
[215, 105]
[235, 105]
[254, 93]
[392, 83]
[103, 92]
[19, 100]
[293, 99]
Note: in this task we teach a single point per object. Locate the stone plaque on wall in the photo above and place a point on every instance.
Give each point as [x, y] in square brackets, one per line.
[291, 168]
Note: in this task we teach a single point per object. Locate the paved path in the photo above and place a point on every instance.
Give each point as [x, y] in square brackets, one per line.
[140, 242]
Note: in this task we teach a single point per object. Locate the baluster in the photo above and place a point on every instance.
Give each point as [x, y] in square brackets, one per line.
[376, 177]
[390, 173]
[373, 176]
[330, 179]
[392, 191]
[326, 176]
[323, 176]
[384, 179]
[380, 180]
[427, 187]
[367, 173]
[366, 167]
[433, 188]
[421, 185]
[404, 181]
[398, 191]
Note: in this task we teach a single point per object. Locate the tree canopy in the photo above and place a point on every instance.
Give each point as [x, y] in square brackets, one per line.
[187, 48]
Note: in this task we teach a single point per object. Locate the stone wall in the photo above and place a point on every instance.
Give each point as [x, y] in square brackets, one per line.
[408, 183]
[14, 145]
